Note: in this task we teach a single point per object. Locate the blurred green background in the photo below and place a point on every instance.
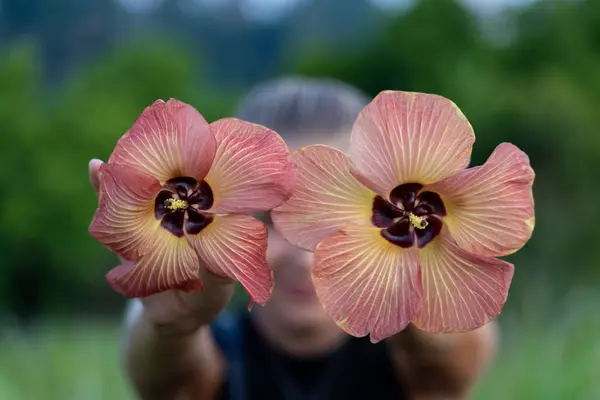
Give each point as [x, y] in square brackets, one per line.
[74, 75]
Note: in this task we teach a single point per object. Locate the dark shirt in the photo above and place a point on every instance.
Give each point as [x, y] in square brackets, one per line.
[356, 370]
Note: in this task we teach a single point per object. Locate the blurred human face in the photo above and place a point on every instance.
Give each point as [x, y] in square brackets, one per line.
[294, 301]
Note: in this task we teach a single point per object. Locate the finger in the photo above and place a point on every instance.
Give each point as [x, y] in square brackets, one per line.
[93, 168]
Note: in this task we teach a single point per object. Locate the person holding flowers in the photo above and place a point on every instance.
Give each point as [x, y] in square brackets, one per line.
[398, 241]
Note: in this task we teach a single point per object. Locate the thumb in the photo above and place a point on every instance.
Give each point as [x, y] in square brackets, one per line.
[93, 168]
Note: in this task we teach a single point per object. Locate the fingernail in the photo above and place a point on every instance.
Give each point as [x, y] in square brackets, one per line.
[94, 163]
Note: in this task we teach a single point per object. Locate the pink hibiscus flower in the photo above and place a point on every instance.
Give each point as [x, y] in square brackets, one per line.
[402, 232]
[174, 197]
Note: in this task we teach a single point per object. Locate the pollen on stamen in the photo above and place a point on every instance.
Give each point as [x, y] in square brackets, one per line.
[175, 204]
[417, 222]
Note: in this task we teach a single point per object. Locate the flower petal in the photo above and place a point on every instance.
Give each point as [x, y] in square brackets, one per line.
[168, 140]
[171, 264]
[235, 246]
[326, 196]
[462, 291]
[124, 221]
[365, 283]
[490, 208]
[403, 137]
[251, 171]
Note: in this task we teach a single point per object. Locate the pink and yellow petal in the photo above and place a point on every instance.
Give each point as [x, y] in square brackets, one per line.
[366, 284]
[124, 221]
[461, 291]
[171, 264]
[251, 171]
[326, 196]
[167, 140]
[404, 137]
[491, 208]
[234, 246]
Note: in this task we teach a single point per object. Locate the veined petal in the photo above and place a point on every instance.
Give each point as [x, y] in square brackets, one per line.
[170, 264]
[251, 171]
[490, 208]
[461, 291]
[403, 137]
[124, 221]
[234, 246]
[168, 140]
[365, 283]
[326, 196]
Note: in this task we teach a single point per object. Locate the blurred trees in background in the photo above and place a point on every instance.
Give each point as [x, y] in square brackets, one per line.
[49, 263]
[530, 77]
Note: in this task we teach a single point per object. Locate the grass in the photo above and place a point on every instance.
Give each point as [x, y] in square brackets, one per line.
[558, 360]
[62, 361]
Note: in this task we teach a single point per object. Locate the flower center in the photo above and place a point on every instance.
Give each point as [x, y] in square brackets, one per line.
[411, 216]
[417, 222]
[175, 204]
[180, 206]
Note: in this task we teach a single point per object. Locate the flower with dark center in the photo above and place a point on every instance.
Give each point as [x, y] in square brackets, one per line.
[402, 231]
[411, 216]
[174, 198]
[182, 204]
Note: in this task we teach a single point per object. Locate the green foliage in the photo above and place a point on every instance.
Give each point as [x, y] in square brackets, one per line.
[539, 90]
[49, 260]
